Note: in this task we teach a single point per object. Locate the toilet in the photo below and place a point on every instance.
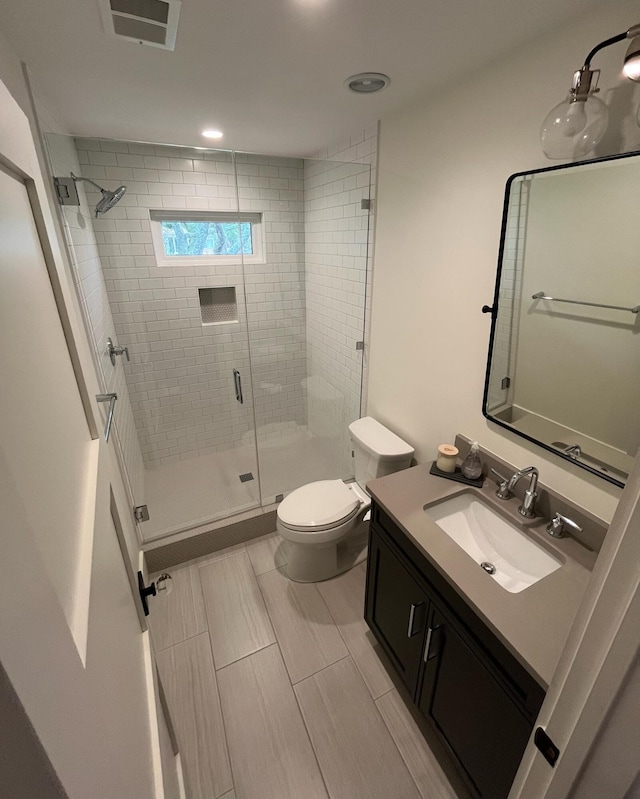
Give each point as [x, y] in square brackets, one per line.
[318, 520]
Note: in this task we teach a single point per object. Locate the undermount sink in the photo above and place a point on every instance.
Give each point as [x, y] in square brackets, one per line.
[500, 548]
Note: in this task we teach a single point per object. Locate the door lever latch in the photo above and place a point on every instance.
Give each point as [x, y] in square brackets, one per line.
[145, 591]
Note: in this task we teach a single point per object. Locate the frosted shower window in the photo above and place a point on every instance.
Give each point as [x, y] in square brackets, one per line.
[214, 237]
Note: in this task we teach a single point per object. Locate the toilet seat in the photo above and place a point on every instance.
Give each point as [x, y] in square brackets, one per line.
[318, 506]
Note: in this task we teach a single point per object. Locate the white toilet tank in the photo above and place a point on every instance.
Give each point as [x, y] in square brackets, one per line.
[377, 450]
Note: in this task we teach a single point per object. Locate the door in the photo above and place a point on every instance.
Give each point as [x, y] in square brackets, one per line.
[484, 729]
[396, 609]
[70, 638]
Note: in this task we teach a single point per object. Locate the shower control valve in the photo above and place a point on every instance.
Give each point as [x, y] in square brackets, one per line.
[115, 349]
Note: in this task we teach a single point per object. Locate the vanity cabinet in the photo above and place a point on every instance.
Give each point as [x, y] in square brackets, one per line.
[479, 700]
[397, 608]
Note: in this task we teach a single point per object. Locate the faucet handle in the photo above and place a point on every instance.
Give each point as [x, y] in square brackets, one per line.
[559, 525]
[503, 491]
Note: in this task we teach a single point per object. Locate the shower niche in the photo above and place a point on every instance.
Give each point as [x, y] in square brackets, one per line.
[218, 306]
[243, 350]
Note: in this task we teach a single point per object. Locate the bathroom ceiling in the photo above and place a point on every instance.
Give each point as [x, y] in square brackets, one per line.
[269, 73]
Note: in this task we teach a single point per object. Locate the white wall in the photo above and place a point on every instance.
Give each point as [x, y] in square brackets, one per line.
[443, 165]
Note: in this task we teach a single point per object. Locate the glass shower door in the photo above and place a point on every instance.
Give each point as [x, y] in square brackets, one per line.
[161, 274]
[306, 311]
[190, 377]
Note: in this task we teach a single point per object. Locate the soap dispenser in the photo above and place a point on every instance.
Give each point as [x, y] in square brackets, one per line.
[471, 466]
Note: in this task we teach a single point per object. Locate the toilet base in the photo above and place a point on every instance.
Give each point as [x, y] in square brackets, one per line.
[313, 564]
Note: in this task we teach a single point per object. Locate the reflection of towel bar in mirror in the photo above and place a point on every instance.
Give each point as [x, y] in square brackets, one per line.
[540, 295]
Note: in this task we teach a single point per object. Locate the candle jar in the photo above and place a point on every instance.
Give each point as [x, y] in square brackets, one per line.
[447, 455]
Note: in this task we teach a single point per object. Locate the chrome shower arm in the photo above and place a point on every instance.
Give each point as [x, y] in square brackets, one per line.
[88, 180]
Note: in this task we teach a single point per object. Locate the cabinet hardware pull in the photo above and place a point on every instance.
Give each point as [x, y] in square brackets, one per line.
[427, 646]
[412, 613]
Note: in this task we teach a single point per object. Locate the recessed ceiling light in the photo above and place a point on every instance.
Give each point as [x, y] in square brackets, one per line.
[212, 134]
[367, 82]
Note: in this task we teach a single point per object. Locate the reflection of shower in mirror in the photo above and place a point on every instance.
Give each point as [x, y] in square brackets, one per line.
[564, 361]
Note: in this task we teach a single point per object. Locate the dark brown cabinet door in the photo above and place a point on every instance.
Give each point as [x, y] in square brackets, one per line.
[396, 609]
[471, 710]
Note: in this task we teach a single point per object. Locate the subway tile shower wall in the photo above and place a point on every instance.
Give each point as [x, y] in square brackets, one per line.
[181, 378]
[303, 306]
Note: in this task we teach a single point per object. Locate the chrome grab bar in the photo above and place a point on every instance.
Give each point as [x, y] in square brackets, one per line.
[111, 399]
[540, 295]
[114, 349]
[238, 385]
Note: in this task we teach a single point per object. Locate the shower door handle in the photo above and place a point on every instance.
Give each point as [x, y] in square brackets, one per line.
[111, 399]
[237, 380]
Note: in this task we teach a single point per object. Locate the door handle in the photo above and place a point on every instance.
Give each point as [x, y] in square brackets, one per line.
[145, 591]
[428, 655]
[111, 399]
[237, 379]
[412, 614]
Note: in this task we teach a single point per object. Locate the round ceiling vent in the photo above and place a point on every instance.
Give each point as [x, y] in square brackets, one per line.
[367, 82]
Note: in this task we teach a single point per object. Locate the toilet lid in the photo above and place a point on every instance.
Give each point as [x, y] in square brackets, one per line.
[317, 504]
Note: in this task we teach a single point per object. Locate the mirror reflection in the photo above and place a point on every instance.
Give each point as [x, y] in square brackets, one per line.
[564, 356]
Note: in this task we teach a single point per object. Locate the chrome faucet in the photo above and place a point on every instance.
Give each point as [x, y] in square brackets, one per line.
[506, 486]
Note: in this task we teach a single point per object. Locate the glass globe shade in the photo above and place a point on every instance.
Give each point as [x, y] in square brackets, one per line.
[572, 130]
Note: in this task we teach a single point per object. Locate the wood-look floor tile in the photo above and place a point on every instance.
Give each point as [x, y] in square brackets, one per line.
[238, 620]
[269, 747]
[344, 596]
[355, 750]
[267, 552]
[308, 638]
[180, 615]
[221, 554]
[189, 682]
[420, 760]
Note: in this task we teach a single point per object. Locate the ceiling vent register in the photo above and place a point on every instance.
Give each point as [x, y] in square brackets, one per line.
[151, 22]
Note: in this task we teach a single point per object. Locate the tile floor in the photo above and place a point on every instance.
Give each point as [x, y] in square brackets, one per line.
[277, 690]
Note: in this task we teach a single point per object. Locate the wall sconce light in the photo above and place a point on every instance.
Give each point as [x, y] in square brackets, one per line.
[576, 125]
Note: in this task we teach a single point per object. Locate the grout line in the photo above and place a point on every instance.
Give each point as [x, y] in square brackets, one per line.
[273, 627]
[275, 640]
[224, 724]
[213, 654]
[223, 557]
[313, 749]
[346, 643]
[183, 641]
[393, 738]
[244, 657]
[328, 666]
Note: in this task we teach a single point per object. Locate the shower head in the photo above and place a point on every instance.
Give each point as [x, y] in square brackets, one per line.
[109, 198]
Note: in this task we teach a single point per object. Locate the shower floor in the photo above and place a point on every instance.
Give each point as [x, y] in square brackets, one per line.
[207, 488]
